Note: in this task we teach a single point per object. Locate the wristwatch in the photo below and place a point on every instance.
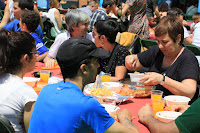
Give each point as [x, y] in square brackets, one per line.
[163, 81]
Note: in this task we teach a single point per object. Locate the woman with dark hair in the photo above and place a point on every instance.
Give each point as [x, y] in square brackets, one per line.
[173, 68]
[17, 57]
[105, 34]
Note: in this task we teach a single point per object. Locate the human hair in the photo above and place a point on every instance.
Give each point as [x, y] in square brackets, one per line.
[23, 4]
[93, 3]
[196, 16]
[109, 28]
[53, 3]
[163, 7]
[174, 12]
[13, 46]
[107, 2]
[73, 6]
[70, 71]
[31, 19]
[74, 17]
[172, 26]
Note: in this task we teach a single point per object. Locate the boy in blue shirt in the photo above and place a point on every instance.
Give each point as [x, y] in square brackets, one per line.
[29, 21]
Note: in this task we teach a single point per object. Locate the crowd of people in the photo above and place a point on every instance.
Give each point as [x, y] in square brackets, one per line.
[85, 48]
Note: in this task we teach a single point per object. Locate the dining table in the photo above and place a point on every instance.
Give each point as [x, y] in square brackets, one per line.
[132, 104]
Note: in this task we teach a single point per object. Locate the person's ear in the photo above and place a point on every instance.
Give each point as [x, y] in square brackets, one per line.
[84, 69]
[179, 37]
[25, 59]
[103, 37]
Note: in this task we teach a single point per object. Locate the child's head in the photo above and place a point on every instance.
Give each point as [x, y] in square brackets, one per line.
[29, 21]
[196, 17]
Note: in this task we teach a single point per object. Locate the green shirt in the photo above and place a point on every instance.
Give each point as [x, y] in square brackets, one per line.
[189, 121]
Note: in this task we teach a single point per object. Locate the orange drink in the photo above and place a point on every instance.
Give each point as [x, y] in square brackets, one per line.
[156, 94]
[105, 78]
[157, 104]
[44, 76]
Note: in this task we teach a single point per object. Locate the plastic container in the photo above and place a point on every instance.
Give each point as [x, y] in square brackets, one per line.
[172, 100]
[135, 77]
[167, 116]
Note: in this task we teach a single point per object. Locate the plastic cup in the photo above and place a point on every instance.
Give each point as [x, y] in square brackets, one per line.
[157, 104]
[156, 94]
[44, 76]
[105, 77]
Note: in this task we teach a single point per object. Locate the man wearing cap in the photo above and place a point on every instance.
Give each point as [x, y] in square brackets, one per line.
[63, 107]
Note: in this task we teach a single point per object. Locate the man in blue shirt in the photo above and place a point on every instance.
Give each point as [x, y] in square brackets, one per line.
[18, 7]
[92, 6]
[63, 108]
[28, 23]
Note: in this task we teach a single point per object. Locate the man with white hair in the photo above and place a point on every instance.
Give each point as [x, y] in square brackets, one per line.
[77, 23]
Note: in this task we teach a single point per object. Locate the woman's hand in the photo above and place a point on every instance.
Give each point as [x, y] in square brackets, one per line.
[130, 62]
[152, 78]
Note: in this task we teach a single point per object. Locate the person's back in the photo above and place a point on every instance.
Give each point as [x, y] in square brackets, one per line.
[66, 109]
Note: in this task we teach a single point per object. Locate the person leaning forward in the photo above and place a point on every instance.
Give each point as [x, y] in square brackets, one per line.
[63, 107]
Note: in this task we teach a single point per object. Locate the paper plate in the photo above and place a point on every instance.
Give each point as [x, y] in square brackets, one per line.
[30, 79]
[110, 108]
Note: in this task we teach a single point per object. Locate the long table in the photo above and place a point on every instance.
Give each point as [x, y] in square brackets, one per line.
[133, 105]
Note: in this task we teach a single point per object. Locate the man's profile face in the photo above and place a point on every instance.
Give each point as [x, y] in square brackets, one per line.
[94, 65]
[81, 29]
[17, 10]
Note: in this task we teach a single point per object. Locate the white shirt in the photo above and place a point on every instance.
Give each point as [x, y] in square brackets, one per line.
[60, 39]
[196, 37]
[51, 16]
[186, 34]
[14, 94]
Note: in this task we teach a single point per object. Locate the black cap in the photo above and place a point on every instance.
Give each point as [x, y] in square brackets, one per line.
[77, 49]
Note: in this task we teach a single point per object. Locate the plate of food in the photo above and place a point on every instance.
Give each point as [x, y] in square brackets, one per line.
[167, 116]
[107, 94]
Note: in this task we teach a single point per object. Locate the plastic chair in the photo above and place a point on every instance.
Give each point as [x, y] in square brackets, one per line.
[147, 43]
[5, 125]
[48, 32]
[131, 41]
[194, 49]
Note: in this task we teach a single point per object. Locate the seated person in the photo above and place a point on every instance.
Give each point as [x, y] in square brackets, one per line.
[18, 7]
[188, 122]
[17, 57]
[28, 23]
[178, 12]
[78, 24]
[173, 68]
[63, 108]
[196, 39]
[105, 32]
[9, 15]
[163, 9]
[54, 15]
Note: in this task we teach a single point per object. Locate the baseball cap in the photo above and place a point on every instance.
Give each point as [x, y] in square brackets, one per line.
[77, 49]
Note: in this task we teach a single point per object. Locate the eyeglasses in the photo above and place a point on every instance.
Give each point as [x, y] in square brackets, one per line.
[37, 53]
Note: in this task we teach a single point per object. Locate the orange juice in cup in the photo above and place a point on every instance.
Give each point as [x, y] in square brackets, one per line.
[44, 76]
[157, 94]
[157, 104]
[105, 77]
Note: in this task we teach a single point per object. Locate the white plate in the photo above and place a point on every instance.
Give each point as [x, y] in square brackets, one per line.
[167, 116]
[110, 108]
[109, 85]
[30, 79]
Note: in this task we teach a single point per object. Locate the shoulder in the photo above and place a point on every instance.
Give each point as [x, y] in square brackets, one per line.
[123, 49]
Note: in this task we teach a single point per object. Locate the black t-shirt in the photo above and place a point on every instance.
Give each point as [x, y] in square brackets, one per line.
[186, 66]
[119, 60]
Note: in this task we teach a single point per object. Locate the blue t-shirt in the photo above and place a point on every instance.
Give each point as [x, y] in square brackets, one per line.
[39, 44]
[63, 108]
[14, 26]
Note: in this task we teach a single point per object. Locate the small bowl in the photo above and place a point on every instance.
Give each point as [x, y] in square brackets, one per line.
[136, 77]
[172, 100]
[167, 116]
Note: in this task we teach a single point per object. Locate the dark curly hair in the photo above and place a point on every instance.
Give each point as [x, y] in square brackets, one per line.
[13, 46]
[31, 19]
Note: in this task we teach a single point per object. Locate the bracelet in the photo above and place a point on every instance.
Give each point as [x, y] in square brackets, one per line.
[163, 81]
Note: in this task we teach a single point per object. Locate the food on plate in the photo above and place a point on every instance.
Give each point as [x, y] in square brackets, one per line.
[101, 92]
[127, 91]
